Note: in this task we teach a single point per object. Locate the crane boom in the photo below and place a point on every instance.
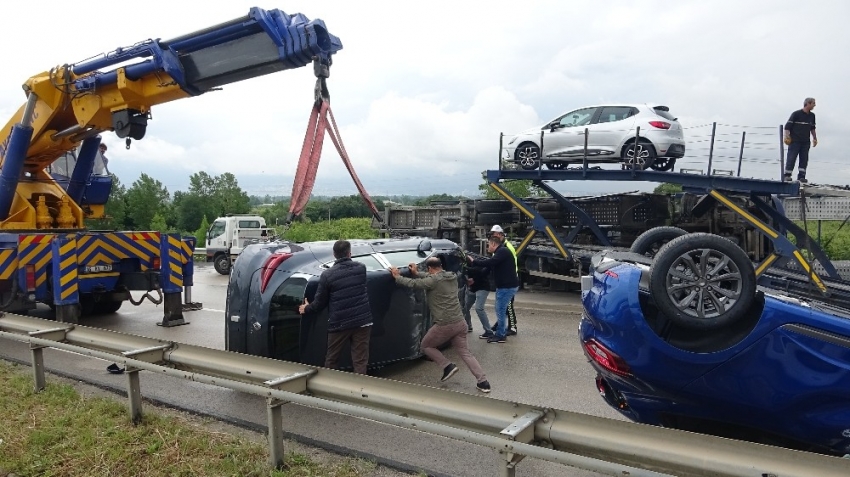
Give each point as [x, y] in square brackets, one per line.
[74, 103]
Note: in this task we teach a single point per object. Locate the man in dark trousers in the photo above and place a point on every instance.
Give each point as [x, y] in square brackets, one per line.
[342, 288]
[499, 232]
[507, 283]
[441, 292]
[799, 127]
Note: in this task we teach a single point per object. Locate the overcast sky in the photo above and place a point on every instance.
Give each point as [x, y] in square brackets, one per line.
[422, 90]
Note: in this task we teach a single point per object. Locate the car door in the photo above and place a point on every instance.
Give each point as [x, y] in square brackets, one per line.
[564, 136]
[609, 128]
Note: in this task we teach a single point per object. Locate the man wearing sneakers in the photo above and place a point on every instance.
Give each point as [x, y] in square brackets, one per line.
[498, 232]
[441, 292]
[507, 283]
[799, 127]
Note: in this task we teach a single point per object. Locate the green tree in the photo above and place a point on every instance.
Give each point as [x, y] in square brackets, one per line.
[519, 188]
[145, 198]
[158, 223]
[667, 188]
[201, 233]
[230, 197]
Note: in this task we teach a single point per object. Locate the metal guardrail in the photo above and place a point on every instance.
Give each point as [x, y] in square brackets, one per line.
[514, 429]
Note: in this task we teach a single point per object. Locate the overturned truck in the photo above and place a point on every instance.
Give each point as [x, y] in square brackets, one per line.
[579, 227]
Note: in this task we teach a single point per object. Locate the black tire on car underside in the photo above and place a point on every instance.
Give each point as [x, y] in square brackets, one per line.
[702, 281]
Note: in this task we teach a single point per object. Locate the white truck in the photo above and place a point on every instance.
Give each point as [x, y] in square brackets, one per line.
[228, 235]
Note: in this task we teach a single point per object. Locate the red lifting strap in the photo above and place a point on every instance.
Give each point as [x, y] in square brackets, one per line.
[308, 162]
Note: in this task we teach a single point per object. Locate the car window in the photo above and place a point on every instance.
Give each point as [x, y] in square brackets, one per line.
[403, 258]
[371, 262]
[610, 114]
[579, 117]
[249, 224]
[664, 112]
[216, 229]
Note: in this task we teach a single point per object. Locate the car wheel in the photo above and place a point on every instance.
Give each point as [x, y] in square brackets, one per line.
[649, 242]
[492, 205]
[527, 155]
[702, 281]
[663, 164]
[644, 158]
[493, 218]
[107, 307]
[221, 262]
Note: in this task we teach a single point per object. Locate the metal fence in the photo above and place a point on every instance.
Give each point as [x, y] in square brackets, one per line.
[514, 429]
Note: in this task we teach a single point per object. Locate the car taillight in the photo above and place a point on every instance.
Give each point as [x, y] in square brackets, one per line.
[606, 358]
[659, 124]
[156, 263]
[269, 267]
[30, 273]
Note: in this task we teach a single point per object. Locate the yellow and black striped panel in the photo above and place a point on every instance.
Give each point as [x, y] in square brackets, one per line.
[176, 260]
[8, 263]
[35, 250]
[68, 283]
[109, 248]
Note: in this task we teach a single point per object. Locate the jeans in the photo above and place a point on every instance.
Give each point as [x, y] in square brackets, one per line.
[478, 299]
[503, 298]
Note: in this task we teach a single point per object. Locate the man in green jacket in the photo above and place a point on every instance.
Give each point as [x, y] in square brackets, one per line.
[449, 325]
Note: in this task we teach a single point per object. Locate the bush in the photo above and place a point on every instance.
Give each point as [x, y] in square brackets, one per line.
[352, 228]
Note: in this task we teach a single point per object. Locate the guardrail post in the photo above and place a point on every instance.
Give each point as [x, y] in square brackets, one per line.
[275, 415]
[37, 354]
[134, 394]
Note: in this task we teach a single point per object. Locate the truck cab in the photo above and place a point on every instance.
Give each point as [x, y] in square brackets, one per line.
[229, 235]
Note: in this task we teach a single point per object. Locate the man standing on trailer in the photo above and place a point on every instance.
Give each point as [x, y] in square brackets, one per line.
[799, 127]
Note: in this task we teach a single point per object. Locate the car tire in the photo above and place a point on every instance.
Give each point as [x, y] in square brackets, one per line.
[495, 218]
[663, 164]
[702, 281]
[527, 155]
[646, 155]
[107, 307]
[649, 242]
[548, 206]
[492, 205]
[221, 262]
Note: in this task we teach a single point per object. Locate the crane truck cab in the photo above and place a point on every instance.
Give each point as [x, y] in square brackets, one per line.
[229, 235]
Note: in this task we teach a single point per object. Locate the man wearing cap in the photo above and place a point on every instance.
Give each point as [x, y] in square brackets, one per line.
[507, 283]
[498, 232]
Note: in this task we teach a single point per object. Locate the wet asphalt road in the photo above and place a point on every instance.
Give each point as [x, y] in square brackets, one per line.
[543, 366]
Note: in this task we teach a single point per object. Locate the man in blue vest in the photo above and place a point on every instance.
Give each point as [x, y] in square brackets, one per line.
[498, 232]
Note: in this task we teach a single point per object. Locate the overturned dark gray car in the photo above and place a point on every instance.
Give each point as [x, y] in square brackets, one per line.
[269, 281]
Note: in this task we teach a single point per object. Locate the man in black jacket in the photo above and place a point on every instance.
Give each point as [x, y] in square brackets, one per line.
[799, 127]
[342, 288]
[507, 283]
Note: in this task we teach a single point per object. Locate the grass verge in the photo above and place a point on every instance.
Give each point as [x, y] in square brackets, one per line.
[59, 432]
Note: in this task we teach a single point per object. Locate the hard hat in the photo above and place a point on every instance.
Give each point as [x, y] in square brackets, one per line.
[497, 229]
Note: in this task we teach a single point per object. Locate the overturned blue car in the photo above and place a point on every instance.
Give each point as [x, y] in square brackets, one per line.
[690, 339]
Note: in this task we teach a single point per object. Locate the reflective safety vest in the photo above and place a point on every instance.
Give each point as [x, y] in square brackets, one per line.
[513, 252]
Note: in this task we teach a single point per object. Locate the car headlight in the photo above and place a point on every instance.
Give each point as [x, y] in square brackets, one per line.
[513, 139]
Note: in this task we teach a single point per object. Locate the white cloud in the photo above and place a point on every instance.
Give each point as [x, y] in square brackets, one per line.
[423, 90]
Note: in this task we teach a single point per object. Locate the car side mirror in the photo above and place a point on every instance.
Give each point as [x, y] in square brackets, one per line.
[423, 247]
